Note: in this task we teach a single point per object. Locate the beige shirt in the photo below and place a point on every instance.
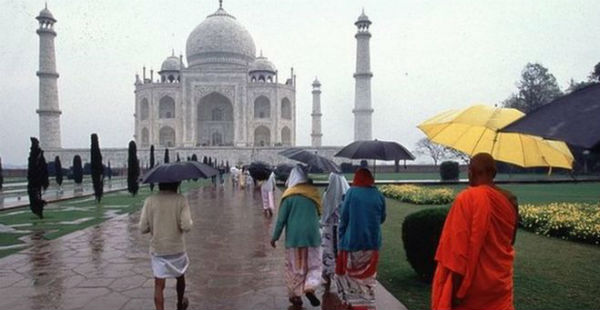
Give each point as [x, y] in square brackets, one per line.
[166, 216]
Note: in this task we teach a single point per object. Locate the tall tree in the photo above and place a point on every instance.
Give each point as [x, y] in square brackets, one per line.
[151, 164]
[595, 75]
[166, 156]
[37, 178]
[178, 159]
[97, 169]
[77, 170]
[205, 160]
[536, 88]
[436, 151]
[58, 169]
[133, 169]
[194, 157]
[1, 176]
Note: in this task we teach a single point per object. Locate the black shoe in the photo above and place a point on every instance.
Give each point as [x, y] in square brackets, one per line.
[314, 301]
[296, 301]
[184, 304]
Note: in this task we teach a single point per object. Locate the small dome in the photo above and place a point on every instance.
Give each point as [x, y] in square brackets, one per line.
[316, 82]
[220, 39]
[46, 14]
[172, 63]
[262, 63]
[363, 18]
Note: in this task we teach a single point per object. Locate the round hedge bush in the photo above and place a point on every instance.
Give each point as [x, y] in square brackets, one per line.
[421, 234]
[449, 170]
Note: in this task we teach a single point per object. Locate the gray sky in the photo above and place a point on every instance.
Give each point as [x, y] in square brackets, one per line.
[426, 56]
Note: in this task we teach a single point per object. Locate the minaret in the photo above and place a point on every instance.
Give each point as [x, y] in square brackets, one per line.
[49, 110]
[362, 89]
[316, 114]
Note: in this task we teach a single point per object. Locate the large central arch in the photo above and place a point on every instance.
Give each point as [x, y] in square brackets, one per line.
[214, 122]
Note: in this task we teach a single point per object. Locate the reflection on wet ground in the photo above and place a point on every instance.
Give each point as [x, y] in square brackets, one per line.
[107, 266]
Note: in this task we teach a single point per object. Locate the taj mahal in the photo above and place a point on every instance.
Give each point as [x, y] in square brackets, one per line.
[225, 100]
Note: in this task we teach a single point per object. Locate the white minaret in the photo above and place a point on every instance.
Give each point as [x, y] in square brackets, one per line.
[362, 89]
[49, 110]
[316, 134]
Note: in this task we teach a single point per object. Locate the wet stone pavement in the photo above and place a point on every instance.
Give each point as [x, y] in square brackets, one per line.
[108, 266]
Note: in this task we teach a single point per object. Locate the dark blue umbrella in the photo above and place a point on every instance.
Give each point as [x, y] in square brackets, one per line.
[375, 149]
[259, 170]
[177, 172]
[573, 118]
[313, 160]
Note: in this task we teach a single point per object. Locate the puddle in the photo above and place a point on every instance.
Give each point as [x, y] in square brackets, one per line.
[75, 222]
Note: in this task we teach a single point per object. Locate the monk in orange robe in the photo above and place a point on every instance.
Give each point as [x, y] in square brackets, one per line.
[475, 255]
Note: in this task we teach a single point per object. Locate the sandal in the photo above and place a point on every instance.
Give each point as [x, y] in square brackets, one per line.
[184, 304]
[314, 301]
[296, 301]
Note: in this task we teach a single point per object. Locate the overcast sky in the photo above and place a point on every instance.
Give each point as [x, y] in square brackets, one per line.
[426, 56]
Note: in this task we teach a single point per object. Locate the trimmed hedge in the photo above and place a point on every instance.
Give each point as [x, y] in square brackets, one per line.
[449, 171]
[421, 233]
[418, 194]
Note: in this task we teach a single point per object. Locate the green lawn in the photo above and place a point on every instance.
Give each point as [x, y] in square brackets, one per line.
[71, 215]
[549, 273]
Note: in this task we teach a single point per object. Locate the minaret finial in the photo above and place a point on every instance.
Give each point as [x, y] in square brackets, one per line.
[363, 10]
[46, 5]
[172, 52]
[220, 4]
[261, 53]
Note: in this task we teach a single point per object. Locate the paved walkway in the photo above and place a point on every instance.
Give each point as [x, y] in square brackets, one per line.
[107, 266]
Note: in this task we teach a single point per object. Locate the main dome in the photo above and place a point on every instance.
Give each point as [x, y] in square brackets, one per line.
[220, 39]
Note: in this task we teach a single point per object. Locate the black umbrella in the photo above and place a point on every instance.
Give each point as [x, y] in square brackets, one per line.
[259, 170]
[291, 151]
[177, 172]
[375, 149]
[314, 160]
[573, 118]
[282, 171]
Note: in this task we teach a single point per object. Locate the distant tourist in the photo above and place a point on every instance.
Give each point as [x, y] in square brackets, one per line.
[332, 198]
[362, 213]
[267, 190]
[166, 216]
[299, 215]
[243, 177]
[475, 255]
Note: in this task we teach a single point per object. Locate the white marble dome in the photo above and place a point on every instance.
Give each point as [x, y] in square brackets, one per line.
[172, 63]
[262, 63]
[220, 39]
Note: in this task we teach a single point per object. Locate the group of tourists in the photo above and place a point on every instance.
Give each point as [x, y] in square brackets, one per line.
[335, 238]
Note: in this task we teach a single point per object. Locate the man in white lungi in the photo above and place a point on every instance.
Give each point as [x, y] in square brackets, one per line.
[166, 216]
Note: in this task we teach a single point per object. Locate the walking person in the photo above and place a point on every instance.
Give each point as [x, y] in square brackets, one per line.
[362, 213]
[475, 255]
[332, 198]
[299, 214]
[166, 216]
[267, 190]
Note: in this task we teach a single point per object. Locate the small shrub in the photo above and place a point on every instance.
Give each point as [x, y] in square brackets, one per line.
[449, 171]
[418, 194]
[421, 233]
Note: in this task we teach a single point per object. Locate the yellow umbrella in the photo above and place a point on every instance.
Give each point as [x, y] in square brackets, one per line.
[475, 130]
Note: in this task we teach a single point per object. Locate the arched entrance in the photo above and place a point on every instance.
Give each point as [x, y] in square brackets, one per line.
[262, 136]
[166, 137]
[214, 123]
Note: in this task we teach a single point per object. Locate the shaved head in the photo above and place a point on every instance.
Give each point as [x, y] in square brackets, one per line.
[482, 169]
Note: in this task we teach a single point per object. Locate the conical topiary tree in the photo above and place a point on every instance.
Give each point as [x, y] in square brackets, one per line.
[151, 164]
[194, 157]
[133, 169]
[37, 178]
[178, 159]
[77, 170]
[205, 160]
[58, 171]
[166, 156]
[97, 169]
[1, 176]
[109, 171]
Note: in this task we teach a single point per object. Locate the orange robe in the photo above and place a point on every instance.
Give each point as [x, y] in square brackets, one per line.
[476, 243]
